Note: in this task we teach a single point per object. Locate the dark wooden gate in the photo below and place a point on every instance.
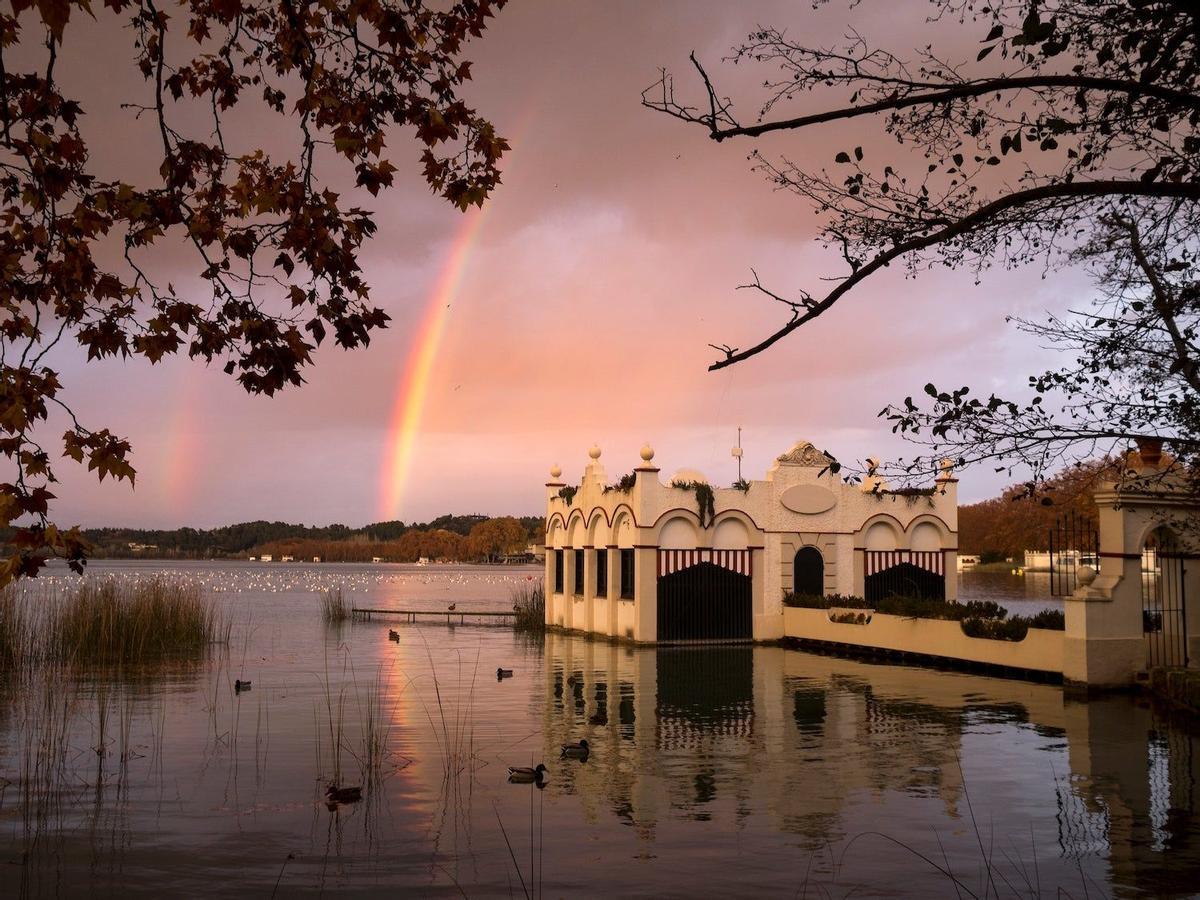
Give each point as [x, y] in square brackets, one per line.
[904, 573]
[1163, 618]
[705, 595]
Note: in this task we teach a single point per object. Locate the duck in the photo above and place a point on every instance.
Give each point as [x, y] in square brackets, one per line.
[579, 750]
[503, 673]
[526, 774]
[451, 607]
[239, 685]
[393, 635]
[337, 794]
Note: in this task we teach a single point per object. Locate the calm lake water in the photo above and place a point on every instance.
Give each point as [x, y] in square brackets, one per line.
[735, 771]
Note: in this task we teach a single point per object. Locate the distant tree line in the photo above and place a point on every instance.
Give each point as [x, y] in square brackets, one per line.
[488, 540]
[1020, 520]
[446, 537]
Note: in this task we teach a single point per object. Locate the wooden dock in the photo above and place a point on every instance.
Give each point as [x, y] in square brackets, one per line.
[411, 614]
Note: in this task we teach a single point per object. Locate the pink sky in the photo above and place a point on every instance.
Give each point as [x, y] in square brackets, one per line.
[605, 265]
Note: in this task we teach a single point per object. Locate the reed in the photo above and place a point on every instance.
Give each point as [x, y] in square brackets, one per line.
[127, 623]
[17, 638]
[108, 622]
[334, 607]
[529, 604]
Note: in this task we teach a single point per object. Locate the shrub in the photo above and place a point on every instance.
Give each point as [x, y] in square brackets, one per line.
[1052, 619]
[816, 601]
[920, 608]
[705, 499]
[529, 604]
[623, 485]
[1013, 629]
[850, 618]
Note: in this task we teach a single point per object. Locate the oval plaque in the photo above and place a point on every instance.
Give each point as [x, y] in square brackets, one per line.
[808, 499]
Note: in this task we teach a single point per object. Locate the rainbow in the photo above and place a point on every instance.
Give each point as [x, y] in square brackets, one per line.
[413, 385]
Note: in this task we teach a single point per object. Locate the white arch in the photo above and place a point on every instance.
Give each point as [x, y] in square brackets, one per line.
[882, 535]
[575, 531]
[731, 534]
[623, 533]
[598, 531]
[926, 536]
[677, 533]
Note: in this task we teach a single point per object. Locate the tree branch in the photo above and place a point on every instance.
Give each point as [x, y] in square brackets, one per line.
[933, 98]
[1077, 189]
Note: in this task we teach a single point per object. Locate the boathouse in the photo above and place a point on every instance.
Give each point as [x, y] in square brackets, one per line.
[651, 560]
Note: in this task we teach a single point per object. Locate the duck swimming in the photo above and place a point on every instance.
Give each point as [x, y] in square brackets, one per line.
[239, 685]
[578, 750]
[503, 673]
[525, 774]
[337, 794]
[393, 635]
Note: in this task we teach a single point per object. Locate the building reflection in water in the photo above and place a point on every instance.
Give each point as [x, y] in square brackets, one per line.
[721, 733]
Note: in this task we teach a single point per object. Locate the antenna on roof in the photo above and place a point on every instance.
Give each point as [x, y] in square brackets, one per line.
[736, 452]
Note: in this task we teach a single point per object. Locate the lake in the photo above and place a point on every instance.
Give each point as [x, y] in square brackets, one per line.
[731, 771]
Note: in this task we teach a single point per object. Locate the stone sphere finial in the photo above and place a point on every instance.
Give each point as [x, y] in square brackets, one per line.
[556, 471]
[594, 451]
[1085, 575]
[647, 452]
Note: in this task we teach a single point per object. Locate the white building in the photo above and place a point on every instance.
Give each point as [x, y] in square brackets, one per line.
[639, 560]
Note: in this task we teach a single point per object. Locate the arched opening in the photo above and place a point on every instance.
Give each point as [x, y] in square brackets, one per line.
[808, 572]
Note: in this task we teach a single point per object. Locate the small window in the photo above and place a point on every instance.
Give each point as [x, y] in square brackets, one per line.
[601, 573]
[579, 572]
[558, 571]
[626, 574]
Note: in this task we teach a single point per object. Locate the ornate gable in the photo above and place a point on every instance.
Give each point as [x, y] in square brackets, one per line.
[804, 454]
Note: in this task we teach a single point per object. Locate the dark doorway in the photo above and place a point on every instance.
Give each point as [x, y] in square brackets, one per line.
[808, 573]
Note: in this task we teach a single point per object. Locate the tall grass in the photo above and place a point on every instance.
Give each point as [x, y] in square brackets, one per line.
[334, 607]
[529, 604]
[17, 637]
[108, 622]
[125, 623]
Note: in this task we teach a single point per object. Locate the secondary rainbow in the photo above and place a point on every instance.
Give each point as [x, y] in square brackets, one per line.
[415, 379]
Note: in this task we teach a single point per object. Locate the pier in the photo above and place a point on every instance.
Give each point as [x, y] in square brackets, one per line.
[412, 614]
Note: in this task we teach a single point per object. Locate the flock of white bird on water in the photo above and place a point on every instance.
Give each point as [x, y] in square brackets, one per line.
[314, 578]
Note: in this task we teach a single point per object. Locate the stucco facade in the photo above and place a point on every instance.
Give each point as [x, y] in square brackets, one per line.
[609, 547]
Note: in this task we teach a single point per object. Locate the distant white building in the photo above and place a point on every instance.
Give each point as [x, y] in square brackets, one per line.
[266, 557]
[641, 560]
